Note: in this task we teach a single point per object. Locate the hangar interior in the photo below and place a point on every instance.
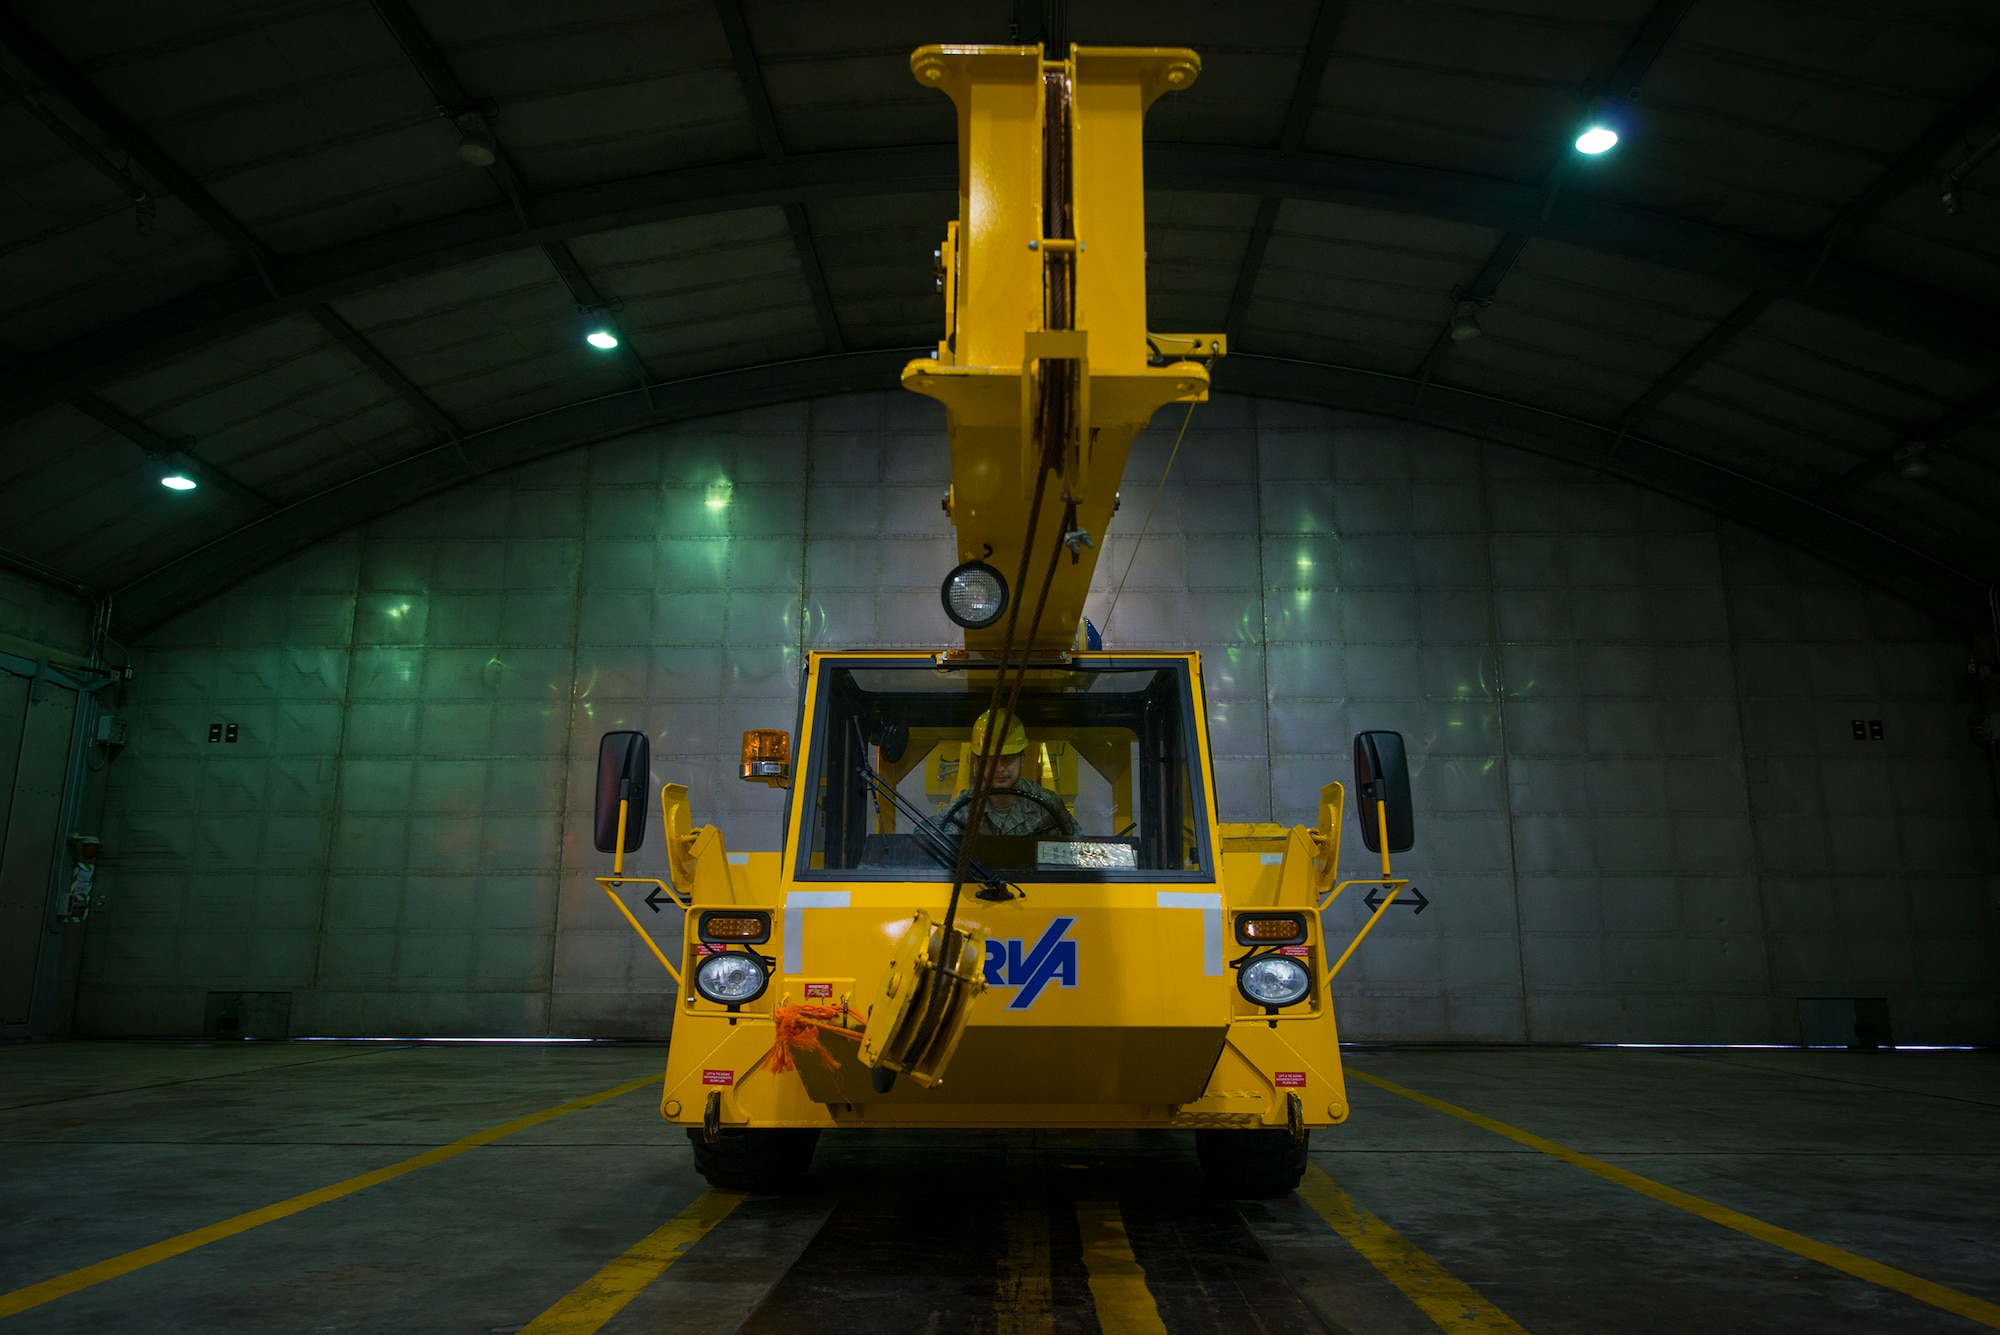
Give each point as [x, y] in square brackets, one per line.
[396, 396]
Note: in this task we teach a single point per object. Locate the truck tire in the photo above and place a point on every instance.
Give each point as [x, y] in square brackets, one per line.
[1251, 1165]
[765, 1159]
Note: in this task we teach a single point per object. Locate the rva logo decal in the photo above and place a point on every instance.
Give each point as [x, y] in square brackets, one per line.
[1052, 960]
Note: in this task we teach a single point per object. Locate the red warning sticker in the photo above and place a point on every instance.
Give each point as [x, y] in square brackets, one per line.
[819, 989]
[712, 1077]
[1299, 951]
[702, 948]
[1290, 1079]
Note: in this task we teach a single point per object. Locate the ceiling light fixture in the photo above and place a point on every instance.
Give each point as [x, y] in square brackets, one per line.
[178, 482]
[476, 145]
[1597, 139]
[1910, 461]
[601, 338]
[1465, 322]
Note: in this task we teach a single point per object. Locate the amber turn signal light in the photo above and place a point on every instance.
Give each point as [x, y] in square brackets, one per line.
[747, 928]
[1270, 929]
[767, 756]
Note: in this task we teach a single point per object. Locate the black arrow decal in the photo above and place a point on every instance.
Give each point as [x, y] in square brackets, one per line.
[1411, 895]
[654, 900]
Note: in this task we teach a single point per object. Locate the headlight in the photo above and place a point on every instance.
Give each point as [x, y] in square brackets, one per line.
[974, 595]
[731, 979]
[1274, 980]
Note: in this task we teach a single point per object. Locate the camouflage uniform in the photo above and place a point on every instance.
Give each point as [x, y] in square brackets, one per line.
[1025, 816]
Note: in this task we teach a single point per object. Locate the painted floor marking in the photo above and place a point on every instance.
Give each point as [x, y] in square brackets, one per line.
[1915, 1286]
[20, 1300]
[1454, 1305]
[1117, 1282]
[595, 1301]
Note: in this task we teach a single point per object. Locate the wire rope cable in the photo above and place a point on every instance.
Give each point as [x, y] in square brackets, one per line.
[1157, 492]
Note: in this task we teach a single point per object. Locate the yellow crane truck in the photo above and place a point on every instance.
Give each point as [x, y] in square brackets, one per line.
[1004, 897]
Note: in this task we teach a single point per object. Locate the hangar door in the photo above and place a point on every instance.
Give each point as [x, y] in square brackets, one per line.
[35, 722]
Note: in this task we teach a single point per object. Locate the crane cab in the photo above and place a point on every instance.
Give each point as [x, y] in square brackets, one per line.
[1139, 963]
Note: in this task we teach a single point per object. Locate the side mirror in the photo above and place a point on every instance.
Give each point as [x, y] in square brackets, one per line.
[624, 768]
[1382, 774]
[767, 757]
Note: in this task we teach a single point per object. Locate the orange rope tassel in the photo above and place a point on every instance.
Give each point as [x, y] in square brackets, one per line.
[800, 1026]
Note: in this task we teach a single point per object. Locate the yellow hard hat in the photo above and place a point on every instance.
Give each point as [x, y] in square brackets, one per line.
[1012, 742]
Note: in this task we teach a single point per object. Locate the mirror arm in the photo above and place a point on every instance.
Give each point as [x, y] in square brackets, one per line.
[618, 849]
[1366, 927]
[1382, 828]
[651, 944]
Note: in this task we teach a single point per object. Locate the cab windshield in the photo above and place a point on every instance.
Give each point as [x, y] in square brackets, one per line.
[1106, 788]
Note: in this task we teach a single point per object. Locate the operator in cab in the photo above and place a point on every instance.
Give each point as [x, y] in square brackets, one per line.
[1015, 806]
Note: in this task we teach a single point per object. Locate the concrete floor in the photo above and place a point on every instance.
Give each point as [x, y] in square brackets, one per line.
[112, 1147]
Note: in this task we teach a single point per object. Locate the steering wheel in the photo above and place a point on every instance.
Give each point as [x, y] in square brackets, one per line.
[1055, 820]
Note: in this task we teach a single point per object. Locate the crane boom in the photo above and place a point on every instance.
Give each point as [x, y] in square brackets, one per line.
[1047, 369]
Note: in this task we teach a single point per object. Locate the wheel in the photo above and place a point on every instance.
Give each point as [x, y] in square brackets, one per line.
[1251, 1165]
[763, 1159]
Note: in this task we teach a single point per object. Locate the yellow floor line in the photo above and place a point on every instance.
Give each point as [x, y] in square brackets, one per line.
[602, 1296]
[1923, 1290]
[20, 1300]
[1117, 1284]
[1454, 1305]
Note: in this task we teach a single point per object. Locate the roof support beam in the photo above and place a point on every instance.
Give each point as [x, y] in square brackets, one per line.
[764, 122]
[154, 445]
[1915, 161]
[1912, 163]
[427, 412]
[471, 113]
[1637, 61]
[28, 47]
[142, 199]
[1863, 551]
[1696, 357]
[1936, 435]
[48, 574]
[1479, 292]
[454, 102]
[1622, 86]
[165, 451]
[588, 298]
[34, 53]
[1291, 134]
[1931, 318]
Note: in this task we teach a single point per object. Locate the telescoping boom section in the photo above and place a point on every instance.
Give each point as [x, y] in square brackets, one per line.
[1047, 368]
[1004, 896]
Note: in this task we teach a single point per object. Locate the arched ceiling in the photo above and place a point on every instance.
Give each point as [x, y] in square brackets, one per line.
[238, 239]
